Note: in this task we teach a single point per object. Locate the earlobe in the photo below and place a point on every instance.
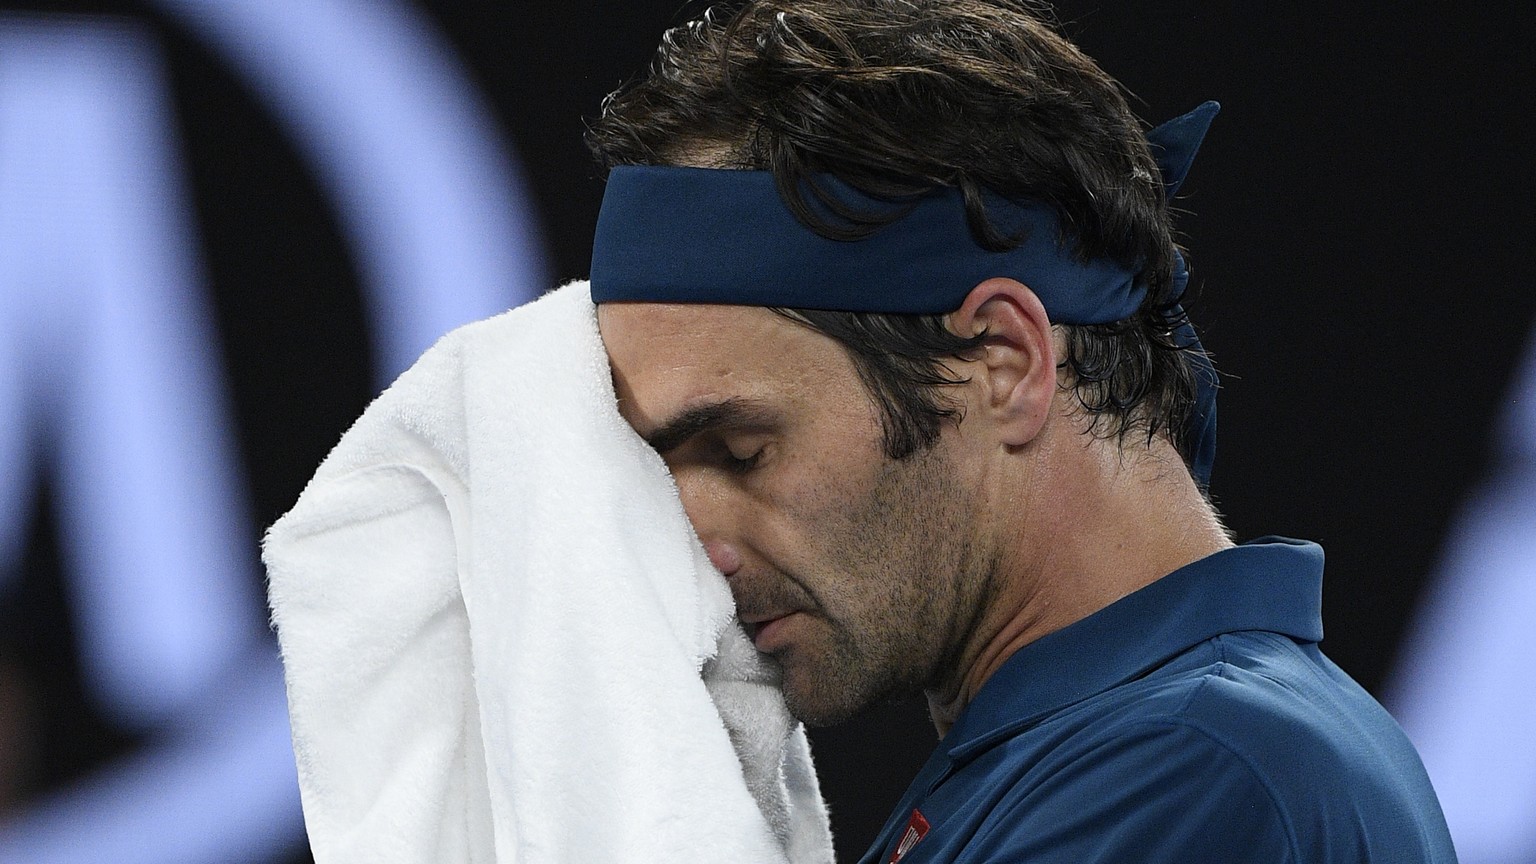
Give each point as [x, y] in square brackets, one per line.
[1014, 370]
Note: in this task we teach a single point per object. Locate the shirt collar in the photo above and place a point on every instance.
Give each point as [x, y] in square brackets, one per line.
[1271, 584]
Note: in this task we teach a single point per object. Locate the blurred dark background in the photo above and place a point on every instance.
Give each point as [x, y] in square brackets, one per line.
[1354, 220]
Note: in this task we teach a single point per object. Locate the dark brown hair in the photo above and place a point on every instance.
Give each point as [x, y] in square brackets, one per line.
[901, 97]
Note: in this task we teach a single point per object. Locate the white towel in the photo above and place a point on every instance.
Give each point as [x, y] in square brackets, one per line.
[503, 641]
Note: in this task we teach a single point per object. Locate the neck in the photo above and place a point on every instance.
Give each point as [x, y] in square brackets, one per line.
[1106, 518]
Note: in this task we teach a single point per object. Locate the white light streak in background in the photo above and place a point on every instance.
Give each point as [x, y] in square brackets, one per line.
[118, 364]
[1465, 690]
[109, 351]
[425, 186]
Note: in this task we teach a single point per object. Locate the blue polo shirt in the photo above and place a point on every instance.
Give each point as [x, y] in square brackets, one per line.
[1192, 721]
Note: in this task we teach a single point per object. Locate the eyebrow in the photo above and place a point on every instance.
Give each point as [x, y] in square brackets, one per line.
[733, 413]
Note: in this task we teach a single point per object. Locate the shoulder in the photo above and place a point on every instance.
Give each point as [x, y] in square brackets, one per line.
[1257, 752]
[1151, 789]
[1340, 770]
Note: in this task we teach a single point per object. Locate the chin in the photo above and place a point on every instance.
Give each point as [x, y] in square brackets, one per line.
[818, 698]
[819, 716]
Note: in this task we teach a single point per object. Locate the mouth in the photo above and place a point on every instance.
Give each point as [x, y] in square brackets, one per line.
[765, 631]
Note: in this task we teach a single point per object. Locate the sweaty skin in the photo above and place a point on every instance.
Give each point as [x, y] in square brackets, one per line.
[862, 565]
[864, 577]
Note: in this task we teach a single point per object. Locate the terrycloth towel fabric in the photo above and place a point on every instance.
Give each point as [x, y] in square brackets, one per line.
[503, 641]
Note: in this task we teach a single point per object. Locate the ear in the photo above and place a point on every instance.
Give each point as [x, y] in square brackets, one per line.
[1013, 373]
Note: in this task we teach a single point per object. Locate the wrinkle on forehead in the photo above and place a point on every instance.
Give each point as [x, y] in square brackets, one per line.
[666, 356]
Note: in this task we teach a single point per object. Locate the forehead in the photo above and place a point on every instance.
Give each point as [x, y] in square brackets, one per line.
[667, 357]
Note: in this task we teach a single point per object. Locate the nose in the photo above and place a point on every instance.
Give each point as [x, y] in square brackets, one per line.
[723, 555]
[715, 520]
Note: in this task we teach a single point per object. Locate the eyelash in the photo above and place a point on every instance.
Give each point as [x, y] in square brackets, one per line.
[736, 465]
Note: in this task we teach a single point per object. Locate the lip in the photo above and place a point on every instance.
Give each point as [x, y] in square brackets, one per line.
[768, 633]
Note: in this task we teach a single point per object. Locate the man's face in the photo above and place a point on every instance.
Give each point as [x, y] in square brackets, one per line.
[861, 576]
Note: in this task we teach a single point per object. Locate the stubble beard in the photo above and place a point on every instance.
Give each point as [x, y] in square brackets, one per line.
[896, 601]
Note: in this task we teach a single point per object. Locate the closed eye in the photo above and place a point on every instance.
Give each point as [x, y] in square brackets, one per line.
[738, 465]
[732, 455]
[732, 436]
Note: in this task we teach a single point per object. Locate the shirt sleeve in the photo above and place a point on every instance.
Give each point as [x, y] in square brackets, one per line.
[1153, 792]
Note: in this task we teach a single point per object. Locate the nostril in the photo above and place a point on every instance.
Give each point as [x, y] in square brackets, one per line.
[724, 556]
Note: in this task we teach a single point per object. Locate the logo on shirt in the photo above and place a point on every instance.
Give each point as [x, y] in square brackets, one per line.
[917, 828]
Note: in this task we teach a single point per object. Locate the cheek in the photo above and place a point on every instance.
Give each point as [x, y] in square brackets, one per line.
[804, 510]
[809, 508]
[820, 535]
[898, 551]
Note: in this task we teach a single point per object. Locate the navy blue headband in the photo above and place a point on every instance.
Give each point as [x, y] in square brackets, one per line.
[702, 235]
